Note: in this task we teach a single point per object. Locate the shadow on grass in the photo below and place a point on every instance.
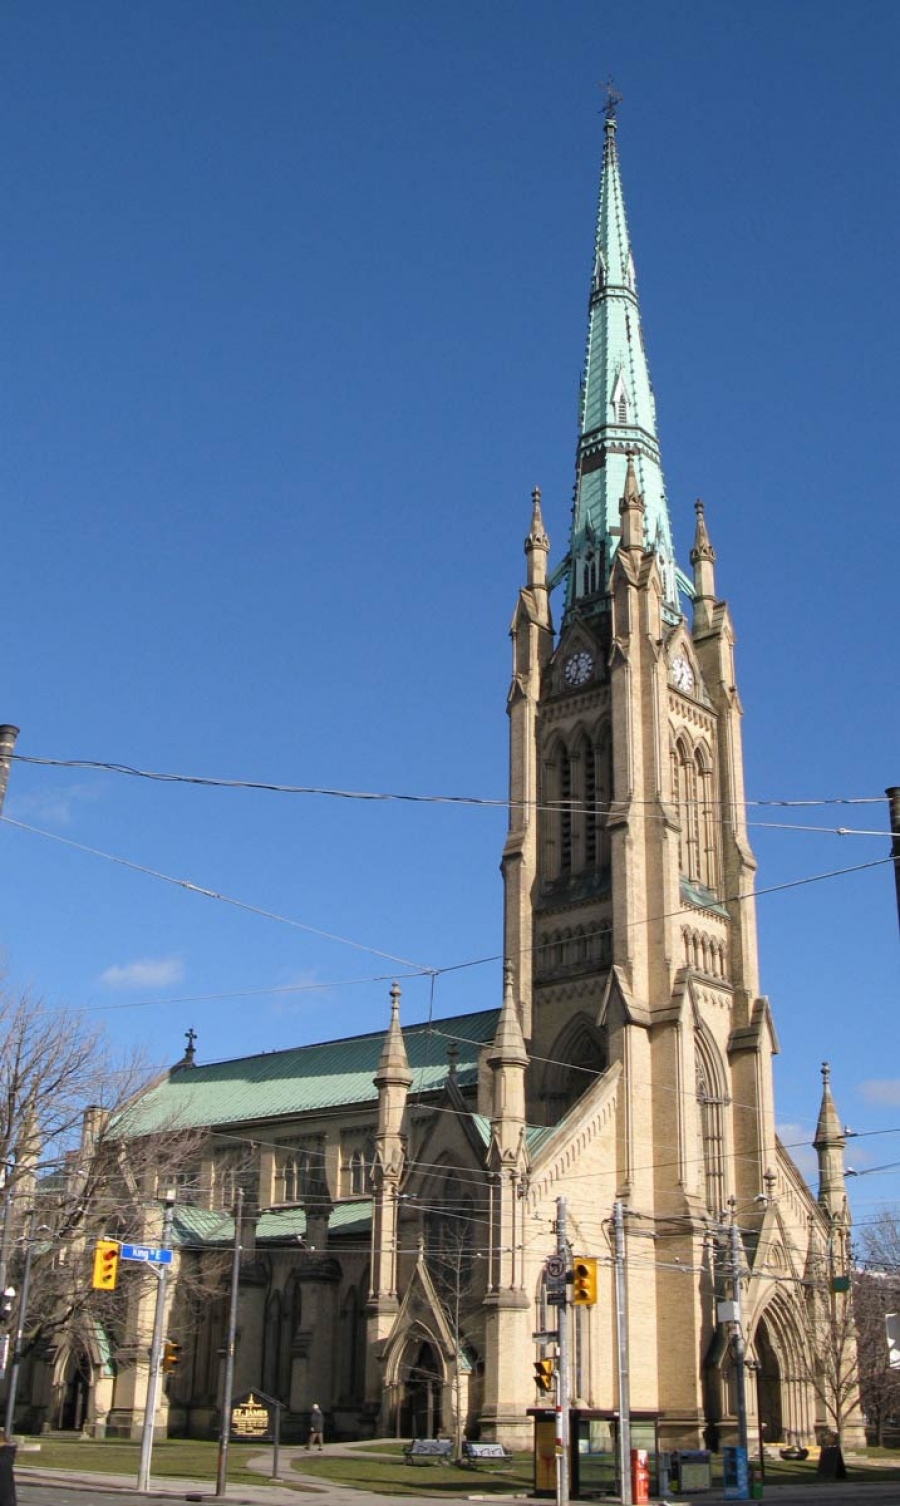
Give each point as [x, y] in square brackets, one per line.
[388, 1474]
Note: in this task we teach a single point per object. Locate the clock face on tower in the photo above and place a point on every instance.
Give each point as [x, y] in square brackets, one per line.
[682, 674]
[578, 668]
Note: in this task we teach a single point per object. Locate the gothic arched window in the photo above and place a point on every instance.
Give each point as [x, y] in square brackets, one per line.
[708, 868]
[576, 792]
[711, 1101]
[684, 778]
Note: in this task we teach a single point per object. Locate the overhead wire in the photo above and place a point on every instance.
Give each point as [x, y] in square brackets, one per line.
[384, 796]
[414, 969]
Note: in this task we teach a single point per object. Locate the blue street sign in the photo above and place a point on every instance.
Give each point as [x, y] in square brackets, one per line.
[145, 1253]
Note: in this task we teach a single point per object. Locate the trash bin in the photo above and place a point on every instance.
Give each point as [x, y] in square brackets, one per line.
[691, 1469]
[7, 1479]
[640, 1476]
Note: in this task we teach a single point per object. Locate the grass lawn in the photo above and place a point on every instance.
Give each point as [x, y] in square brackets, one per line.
[377, 1466]
[859, 1468]
[186, 1458]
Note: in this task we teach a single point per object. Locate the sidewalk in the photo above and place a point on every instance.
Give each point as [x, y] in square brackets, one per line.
[325, 1493]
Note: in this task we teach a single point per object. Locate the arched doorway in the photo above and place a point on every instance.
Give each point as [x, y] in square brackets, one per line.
[768, 1385]
[422, 1387]
[75, 1392]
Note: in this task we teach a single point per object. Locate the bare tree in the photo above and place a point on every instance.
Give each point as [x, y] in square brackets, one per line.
[835, 1368]
[876, 1293]
[451, 1265]
[66, 1157]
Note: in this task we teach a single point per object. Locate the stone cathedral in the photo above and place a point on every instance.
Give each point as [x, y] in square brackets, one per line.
[403, 1186]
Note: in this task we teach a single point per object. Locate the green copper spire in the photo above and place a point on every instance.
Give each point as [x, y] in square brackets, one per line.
[618, 414]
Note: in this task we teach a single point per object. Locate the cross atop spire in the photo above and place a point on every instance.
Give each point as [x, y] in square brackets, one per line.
[618, 413]
[613, 98]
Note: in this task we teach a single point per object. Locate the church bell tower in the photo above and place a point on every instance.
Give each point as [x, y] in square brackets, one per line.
[628, 876]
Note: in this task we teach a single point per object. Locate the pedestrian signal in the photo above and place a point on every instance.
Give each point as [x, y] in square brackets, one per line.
[543, 1374]
[584, 1281]
[106, 1265]
[171, 1356]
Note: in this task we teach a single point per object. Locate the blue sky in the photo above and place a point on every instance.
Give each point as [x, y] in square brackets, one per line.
[293, 317]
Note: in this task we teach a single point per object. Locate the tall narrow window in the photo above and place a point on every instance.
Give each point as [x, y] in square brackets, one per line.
[710, 1116]
[590, 806]
[622, 409]
[707, 822]
[565, 813]
[685, 780]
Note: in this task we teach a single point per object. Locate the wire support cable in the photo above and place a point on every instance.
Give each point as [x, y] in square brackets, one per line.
[417, 968]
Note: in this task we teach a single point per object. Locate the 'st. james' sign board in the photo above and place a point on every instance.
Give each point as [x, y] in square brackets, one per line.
[252, 1419]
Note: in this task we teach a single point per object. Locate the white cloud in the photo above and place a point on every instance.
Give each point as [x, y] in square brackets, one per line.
[883, 1090]
[144, 972]
[52, 806]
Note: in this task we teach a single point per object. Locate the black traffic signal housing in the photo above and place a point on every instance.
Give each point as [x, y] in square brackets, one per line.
[543, 1375]
[584, 1280]
[171, 1356]
[7, 1298]
[106, 1265]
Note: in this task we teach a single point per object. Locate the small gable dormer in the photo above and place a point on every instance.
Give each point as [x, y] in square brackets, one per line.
[620, 401]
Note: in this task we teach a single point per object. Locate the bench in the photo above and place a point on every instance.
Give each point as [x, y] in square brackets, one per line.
[428, 1448]
[490, 1452]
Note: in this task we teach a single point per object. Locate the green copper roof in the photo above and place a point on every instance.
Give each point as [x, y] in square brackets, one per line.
[204, 1226]
[306, 1079]
[618, 412]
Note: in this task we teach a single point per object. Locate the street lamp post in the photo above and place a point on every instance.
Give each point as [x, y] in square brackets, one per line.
[755, 1369]
[738, 1339]
[20, 1329]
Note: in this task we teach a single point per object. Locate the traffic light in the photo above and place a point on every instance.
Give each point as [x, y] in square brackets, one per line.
[584, 1281]
[171, 1356]
[106, 1265]
[7, 1298]
[543, 1374]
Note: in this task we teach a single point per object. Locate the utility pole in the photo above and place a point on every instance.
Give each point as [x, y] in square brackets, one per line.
[20, 1329]
[893, 794]
[143, 1482]
[738, 1339]
[622, 1354]
[8, 735]
[562, 1364]
[228, 1387]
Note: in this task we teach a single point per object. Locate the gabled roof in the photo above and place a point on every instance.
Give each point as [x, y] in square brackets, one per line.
[307, 1079]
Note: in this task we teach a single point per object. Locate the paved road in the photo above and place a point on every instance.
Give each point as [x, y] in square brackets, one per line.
[55, 1488]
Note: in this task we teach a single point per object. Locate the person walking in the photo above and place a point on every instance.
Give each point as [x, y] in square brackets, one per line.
[316, 1427]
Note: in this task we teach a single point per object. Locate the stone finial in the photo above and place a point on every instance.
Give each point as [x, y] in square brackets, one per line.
[702, 549]
[508, 1048]
[631, 510]
[703, 559]
[537, 544]
[393, 1064]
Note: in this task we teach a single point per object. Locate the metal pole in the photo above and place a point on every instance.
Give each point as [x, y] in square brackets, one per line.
[893, 794]
[562, 1365]
[155, 1349]
[738, 1341]
[20, 1328]
[277, 1443]
[8, 735]
[5, 1227]
[228, 1387]
[622, 1355]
